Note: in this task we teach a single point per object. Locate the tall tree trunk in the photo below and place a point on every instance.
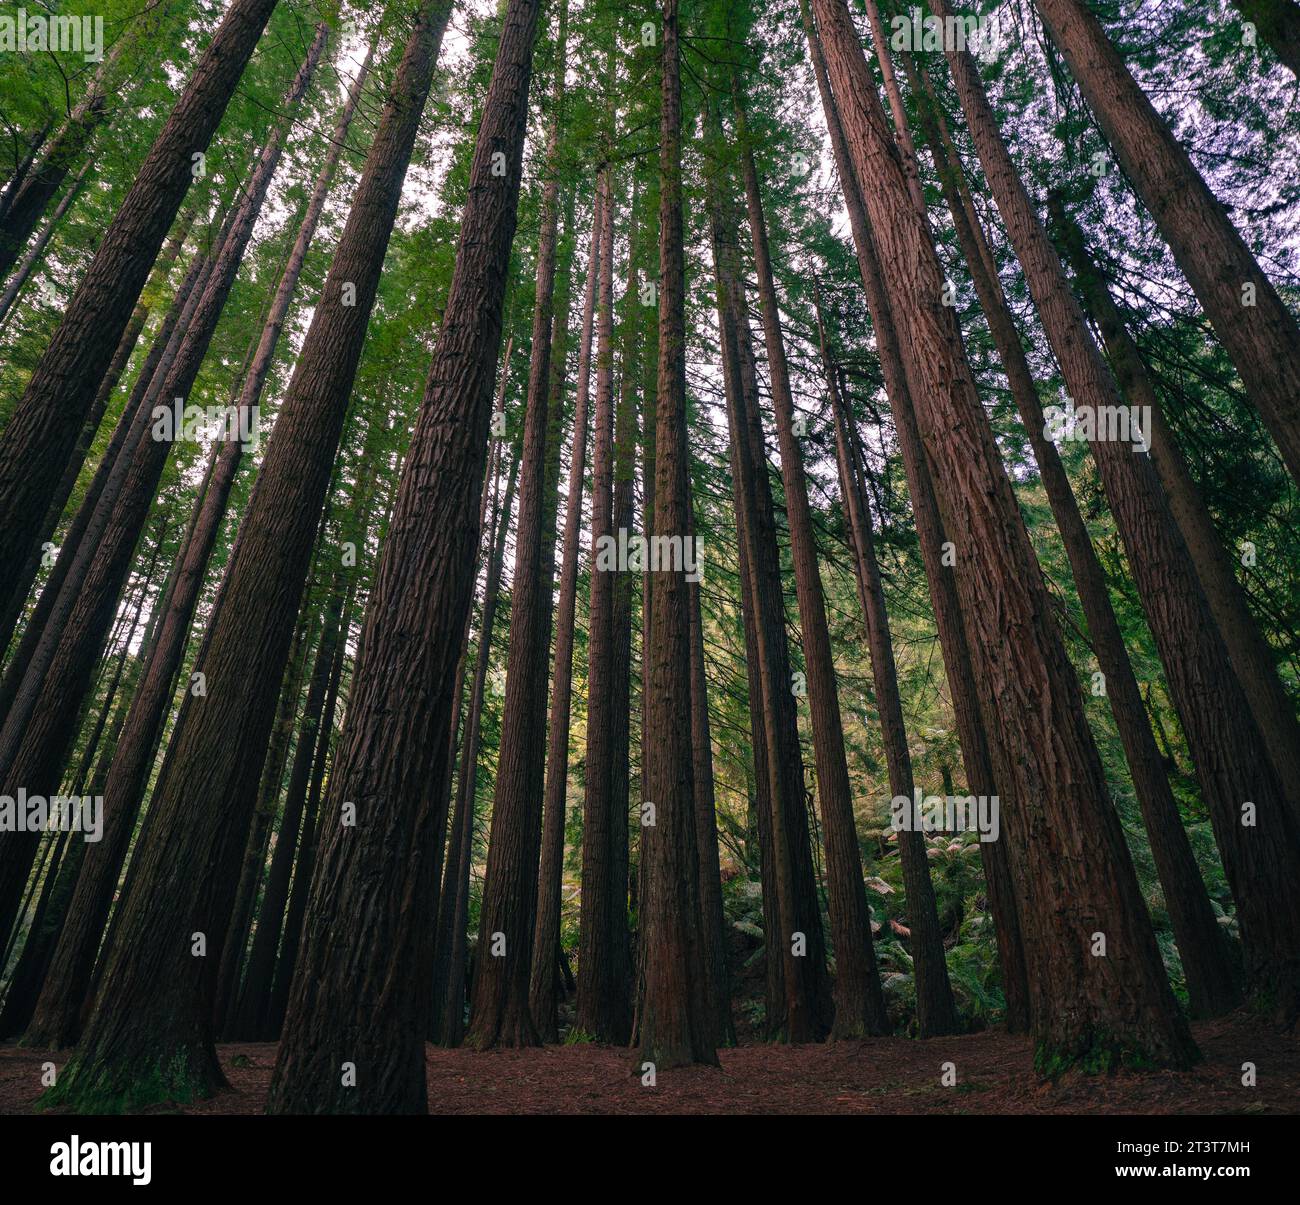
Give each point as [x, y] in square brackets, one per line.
[23, 166]
[713, 923]
[306, 863]
[453, 901]
[414, 621]
[1210, 978]
[499, 997]
[936, 1012]
[806, 1010]
[542, 984]
[37, 249]
[130, 336]
[88, 599]
[632, 367]
[36, 188]
[973, 733]
[1088, 1007]
[203, 799]
[255, 994]
[1261, 859]
[1253, 323]
[673, 1017]
[34, 962]
[859, 1001]
[133, 763]
[603, 1004]
[34, 630]
[1250, 653]
[38, 438]
[775, 958]
[226, 999]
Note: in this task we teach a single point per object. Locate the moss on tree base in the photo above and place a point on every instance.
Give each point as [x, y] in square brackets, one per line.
[1099, 1053]
[181, 1076]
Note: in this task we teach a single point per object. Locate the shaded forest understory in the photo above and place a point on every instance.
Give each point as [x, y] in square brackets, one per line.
[880, 1075]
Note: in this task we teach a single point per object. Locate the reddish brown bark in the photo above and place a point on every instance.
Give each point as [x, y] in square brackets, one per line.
[973, 730]
[189, 853]
[673, 1019]
[39, 437]
[1259, 332]
[1261, 860]
[126, 345]
[859, 1002]
[226, 998]
[1209, 973]
[53, 691]
[499, 999]
[1067, 839]
[451, 936]
[343, 997]
[713, 923]
[603, 1004]
[1250, 653]
[541, 991]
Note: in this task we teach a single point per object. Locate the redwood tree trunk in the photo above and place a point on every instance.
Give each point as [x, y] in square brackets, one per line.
[342, 998]
[713, 923]
[542, 986]
[806, 1009]
[226, 999]
[1088, 1007]
[1258, 331]
[1210, 977]
[603, 1004]
[1261, 861]
[859, 1001]
[499, 999]
[34, 630]
[1250, 653]
[675, 1026]
[36, 442]
[83, 612]
[974, 731]
[451, 937]
[202, 801]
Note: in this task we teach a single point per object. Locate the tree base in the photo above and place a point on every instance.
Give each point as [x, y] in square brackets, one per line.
[130, 1084]
[1097, 1053]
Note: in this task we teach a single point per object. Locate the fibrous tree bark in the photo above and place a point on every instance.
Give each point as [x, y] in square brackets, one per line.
[451, 938]
[541, 991]
[1262, 858]
[1086, 1006]
[859, 1001]
[1209, 972]
[342, 998]
[673, 1019]
[39, 436]
[202, 803]
[1252, 322]
[975, 730]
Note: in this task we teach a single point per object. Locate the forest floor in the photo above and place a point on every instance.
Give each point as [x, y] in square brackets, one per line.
[886, 1075]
